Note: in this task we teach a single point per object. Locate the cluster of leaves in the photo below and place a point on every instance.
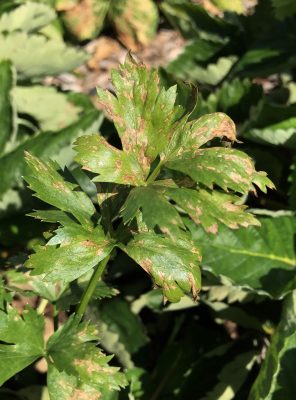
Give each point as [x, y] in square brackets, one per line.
[163, 190]
[165, 174]
[35, 117]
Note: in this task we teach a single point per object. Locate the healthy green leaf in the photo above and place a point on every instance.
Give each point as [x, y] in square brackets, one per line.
[121, 332]
[275, 380]
[47, 144]
[23, 336]
[52, 188]
[52, 109]
[113, 165]
[35, 56]
[174, 266]
[77, 367]
[6, 107]
[260, 259]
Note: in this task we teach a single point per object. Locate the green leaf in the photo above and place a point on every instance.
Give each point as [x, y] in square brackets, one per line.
[232, 377]
[77, 367]
[113, 165]
[276, 377]
[28, 17]
[20, 350]
[53, 189]
[121, 331]
[284, 8]
[196, 51]
[6, 107]
[174, 266]
[259, 259]
[155, 208]
[79, 251]
[237, 6]
[35, 56]
[44, 145]
[50, 108]
[142, 111]
[135, 21]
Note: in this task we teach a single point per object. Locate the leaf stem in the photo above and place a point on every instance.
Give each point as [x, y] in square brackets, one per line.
[154, 173]
[42, 306]
[88, 293]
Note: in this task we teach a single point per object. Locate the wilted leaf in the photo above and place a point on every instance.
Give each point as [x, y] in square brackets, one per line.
[28, 17]
[35, 56]
[77, 368]
[20, 350]
[174, 266]
[135, 21]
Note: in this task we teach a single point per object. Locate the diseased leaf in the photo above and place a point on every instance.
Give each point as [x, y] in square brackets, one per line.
[259, 259]
[18, 350]
[52, 188]
[79, 251]
[35, 56]
[188, 137]
[142, 111]
[227, 168]
[28, 17]
[155, 208]
[95, 154]
[174, 266]
[210, 208]
[276, 378]
[84, 19]
[76, 366]
[52, 110]
[6, 106]
[135, 21]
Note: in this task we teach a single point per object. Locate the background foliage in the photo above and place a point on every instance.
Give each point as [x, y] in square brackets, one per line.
[237, 341]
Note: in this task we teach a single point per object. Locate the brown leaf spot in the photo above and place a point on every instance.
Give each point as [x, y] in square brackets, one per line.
[212, 229]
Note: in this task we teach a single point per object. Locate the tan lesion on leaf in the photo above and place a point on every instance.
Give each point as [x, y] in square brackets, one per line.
[91, 367]
[60, 186]
[237, 178]
[146, 264]
[194, 289]
[80, 394]
[212, 229]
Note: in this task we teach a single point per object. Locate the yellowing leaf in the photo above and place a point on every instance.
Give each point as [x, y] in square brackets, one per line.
[136, 21]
